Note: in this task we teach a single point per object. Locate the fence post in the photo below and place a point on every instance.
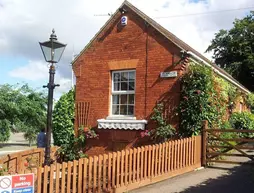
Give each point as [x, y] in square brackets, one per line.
[204, 142]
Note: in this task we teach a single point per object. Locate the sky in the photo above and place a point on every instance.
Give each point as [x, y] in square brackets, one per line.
[23, 23]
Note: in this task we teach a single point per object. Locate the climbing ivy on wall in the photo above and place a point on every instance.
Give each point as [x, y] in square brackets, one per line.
[250, 101]
[204, 96]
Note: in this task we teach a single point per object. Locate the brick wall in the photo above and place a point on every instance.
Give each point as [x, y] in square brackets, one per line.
[135, 46]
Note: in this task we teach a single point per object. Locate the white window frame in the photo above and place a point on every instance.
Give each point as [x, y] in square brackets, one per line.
[121, 92]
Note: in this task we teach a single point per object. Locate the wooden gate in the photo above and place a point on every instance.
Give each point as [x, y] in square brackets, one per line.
[237, 143]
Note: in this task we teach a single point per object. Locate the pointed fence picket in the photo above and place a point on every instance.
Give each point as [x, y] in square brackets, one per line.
[122, 171]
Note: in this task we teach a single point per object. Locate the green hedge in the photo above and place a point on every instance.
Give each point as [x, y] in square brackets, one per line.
[242, 121]
[63, 116]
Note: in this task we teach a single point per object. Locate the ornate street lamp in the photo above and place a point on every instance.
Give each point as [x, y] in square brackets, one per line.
[52, 51]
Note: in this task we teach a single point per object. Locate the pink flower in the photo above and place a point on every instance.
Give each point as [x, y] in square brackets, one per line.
[185, 98]
[147, 133]
[198, 91]
[142, 134]
[26, 164]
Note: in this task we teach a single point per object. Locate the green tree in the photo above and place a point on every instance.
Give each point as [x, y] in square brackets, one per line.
[4, 130]
[233, 50]
[21, 108]
[63, 116]
[31, 135]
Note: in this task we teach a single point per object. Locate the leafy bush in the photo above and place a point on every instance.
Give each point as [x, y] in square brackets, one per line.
[242, 121]
[164, 131]
[30, 135]
[74, 149]
[63, 116]
[5, 131]
[227, 135]
[250, 102]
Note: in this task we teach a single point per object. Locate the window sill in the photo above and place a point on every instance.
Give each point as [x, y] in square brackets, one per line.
[116, 117]
[125, 124]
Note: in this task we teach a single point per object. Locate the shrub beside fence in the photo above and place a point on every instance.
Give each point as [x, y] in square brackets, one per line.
[122, 171]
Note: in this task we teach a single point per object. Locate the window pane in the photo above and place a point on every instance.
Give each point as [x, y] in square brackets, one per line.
[124, 85]
[116, 77]
[115, 99]
[116, 86]
[115, 109]
[123, 109]
[131, 86]
[124, 76]
[131, 76]
[124, 99]
[123, 104]
[131, 99]
[130, 110]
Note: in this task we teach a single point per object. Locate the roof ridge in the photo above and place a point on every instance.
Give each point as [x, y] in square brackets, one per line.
[170, 36]
[177, 41]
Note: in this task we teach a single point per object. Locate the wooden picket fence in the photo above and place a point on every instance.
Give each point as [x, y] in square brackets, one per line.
[17, 163]
[122, 171]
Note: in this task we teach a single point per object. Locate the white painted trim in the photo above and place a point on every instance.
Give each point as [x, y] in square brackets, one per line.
[121, 117]
[217, 71]
[122, 124]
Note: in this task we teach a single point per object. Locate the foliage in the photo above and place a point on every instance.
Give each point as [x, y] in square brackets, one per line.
[227, 135]
[31, 162]
[89, 133]
[4, 130]
[22, 108]
[225, 125]
[3, 170]
[145, 133]
[200, 100]
[250, 101]
[164, 131]
[63, 116]
[233, 95]
[242, 121]
[73, 150]
[233, 50]
[30, 135]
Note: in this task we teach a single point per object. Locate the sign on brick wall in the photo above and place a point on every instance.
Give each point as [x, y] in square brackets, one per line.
[168, 74]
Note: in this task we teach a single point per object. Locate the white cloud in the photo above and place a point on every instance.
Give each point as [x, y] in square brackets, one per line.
[24, 22]
[33, 71]
[38, 71]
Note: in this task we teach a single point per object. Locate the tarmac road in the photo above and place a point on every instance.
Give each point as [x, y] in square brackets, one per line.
[220, 178]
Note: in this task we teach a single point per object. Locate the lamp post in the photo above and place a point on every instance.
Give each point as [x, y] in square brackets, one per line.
[52, 51]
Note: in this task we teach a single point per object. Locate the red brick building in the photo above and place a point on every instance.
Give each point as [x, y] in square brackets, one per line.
[131, 64]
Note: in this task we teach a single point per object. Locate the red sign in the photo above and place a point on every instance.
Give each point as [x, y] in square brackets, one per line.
[22, 181]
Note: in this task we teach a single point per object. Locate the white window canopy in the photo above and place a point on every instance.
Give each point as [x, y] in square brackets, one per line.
[122, 124]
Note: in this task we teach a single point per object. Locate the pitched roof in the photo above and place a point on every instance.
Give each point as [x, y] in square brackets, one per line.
[171, 37]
